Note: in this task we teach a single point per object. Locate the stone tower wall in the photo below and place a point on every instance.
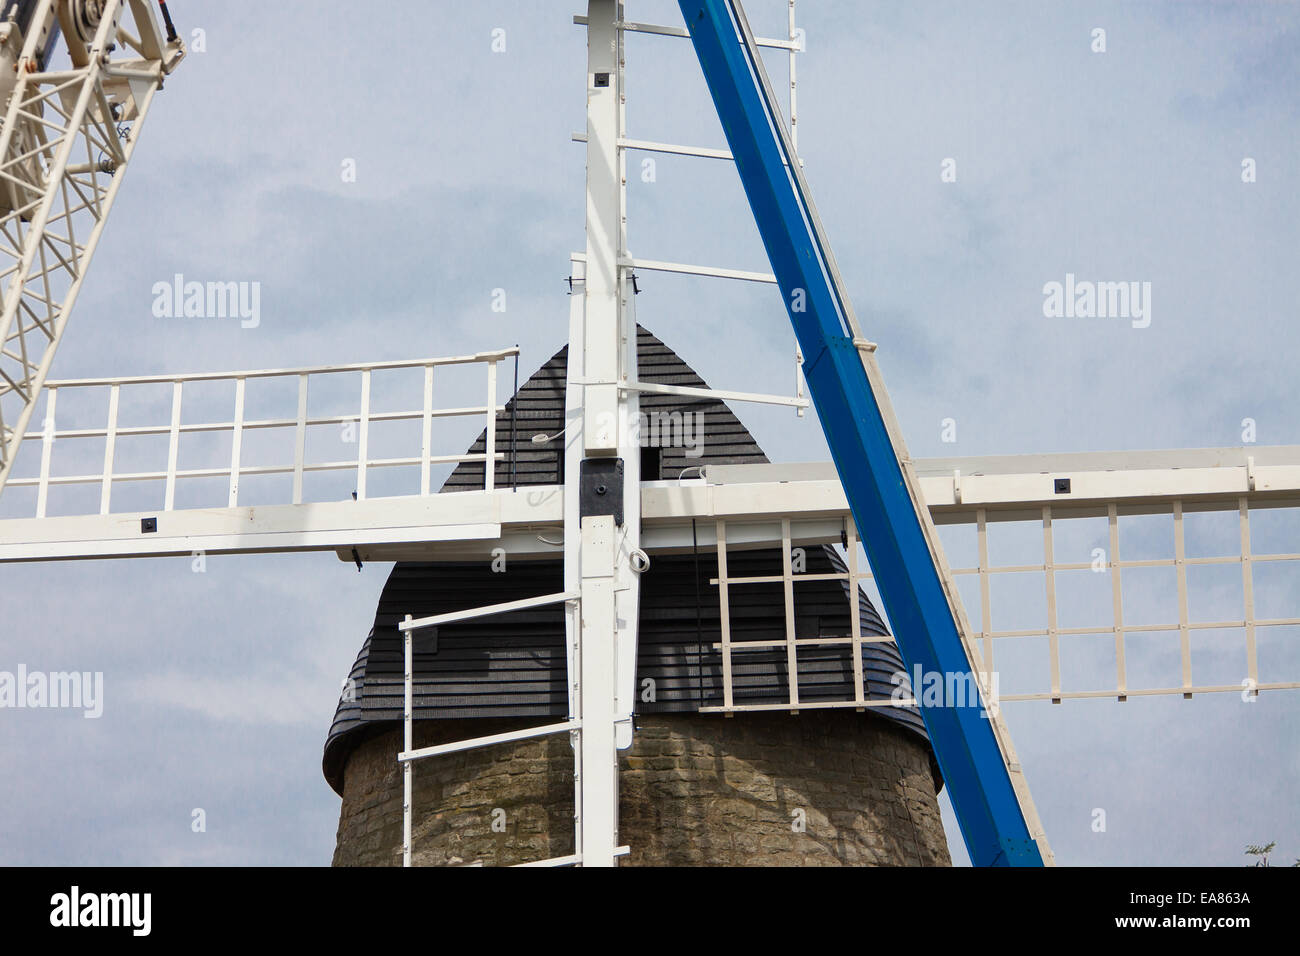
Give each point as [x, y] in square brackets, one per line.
[821, 788]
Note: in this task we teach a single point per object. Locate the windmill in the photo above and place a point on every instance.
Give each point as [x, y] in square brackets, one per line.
[607, 529]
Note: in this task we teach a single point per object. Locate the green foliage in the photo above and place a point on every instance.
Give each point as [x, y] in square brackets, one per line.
[1262, 851]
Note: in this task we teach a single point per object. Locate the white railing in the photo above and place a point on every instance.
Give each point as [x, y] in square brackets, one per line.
[294, 425]
[1052, 580]
[1109, 567]
[409, 753]
[788, 579]
[1048, 574]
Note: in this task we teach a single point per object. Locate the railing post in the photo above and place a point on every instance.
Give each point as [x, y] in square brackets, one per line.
[300, 439]
[236, 444]
[408, 766]
[110, 444]
[47, 449]
[490, 448]
[363, 439]
[426, 430]
[173, 448]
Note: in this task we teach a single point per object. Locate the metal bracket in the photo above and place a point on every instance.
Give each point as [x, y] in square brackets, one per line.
[600, 488]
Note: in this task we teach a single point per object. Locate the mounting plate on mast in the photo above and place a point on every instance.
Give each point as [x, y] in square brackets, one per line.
[600, 488]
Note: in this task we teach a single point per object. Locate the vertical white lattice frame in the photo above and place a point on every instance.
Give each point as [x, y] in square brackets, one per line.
[68, 136]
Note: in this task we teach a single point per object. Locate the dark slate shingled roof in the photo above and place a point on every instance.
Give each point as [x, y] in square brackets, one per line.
[513, 665]
[541, 411]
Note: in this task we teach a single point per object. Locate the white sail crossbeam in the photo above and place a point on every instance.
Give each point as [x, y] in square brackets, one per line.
[1245, 491]
[200, 442]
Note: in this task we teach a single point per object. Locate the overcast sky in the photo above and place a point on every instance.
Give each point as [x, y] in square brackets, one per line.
[1123, 165]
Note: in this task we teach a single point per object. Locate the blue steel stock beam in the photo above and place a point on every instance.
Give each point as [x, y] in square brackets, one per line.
[983, 794]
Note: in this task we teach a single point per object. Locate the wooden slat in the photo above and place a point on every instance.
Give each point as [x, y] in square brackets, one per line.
[1248, 592]
[1117, 602]
[724, 605]
[1053, 638]
[855, 610]
[787, 587]
[1180, 563]
[986, 613]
